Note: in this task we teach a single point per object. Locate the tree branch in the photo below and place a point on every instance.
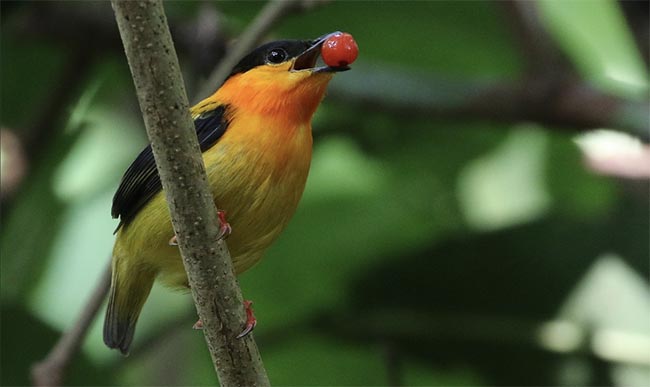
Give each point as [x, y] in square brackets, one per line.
[541, 54]
[51, 370]
[550, 93]
[165, 109]
[574, 106]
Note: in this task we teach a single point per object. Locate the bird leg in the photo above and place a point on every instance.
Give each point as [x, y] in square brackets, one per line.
[224, 229]
[251, 321]
[224, 226]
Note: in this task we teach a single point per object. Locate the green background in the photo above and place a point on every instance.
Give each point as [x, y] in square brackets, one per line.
[425, 251]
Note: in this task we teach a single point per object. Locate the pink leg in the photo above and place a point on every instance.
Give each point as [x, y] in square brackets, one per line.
[251, 321]
[224, 229]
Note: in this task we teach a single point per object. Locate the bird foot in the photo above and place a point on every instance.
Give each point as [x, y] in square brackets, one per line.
[224, 226]
[224, 229]
[251, 321]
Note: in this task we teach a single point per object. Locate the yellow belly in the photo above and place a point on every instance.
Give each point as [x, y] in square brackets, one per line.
[257, 179]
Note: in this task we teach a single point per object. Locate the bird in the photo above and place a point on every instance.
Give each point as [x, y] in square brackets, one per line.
[255, 137]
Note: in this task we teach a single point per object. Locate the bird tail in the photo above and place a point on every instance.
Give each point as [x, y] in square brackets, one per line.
[129, 291]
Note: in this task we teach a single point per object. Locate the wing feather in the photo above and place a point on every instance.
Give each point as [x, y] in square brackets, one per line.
[141, 181]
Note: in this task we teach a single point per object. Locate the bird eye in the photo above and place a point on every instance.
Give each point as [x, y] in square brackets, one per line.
[275, 56]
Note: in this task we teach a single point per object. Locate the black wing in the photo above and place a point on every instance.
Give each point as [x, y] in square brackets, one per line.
[141, 181]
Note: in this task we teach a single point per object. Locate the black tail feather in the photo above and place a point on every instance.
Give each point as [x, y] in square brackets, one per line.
[118, 329]
[124, 305]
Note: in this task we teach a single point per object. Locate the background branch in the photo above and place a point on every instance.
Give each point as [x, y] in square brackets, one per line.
[550, 93]
[272, 12]
[165, 109]
[570, 107]
[539, 51]
[51, 370]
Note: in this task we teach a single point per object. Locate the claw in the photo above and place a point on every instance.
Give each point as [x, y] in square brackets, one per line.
[251, 321]
[224, 228]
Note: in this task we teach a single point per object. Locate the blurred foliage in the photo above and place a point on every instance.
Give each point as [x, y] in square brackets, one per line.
[424, 252]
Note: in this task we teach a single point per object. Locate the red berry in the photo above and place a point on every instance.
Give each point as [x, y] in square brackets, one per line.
[339, 50]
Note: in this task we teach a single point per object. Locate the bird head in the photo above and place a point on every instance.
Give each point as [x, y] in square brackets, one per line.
[279, 77]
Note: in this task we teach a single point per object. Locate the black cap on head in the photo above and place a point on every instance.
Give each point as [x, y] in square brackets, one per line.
[270, 53]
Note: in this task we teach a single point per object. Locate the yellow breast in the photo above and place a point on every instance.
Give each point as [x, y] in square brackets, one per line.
[255, 175]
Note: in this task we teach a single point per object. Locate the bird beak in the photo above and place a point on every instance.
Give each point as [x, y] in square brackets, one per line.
[307, 60]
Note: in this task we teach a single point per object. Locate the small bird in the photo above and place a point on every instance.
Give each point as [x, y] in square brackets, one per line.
[255, 135]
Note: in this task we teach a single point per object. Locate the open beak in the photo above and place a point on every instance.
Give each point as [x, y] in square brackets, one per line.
[307, 60]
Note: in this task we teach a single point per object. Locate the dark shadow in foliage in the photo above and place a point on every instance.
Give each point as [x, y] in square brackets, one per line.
[476, 301]
[19, 351]
[25, 244]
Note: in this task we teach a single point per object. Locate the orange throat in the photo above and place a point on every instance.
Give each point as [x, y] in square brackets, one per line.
[289, 101]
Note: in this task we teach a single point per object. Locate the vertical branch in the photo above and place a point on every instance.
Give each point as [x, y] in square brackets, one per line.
[165, 109]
